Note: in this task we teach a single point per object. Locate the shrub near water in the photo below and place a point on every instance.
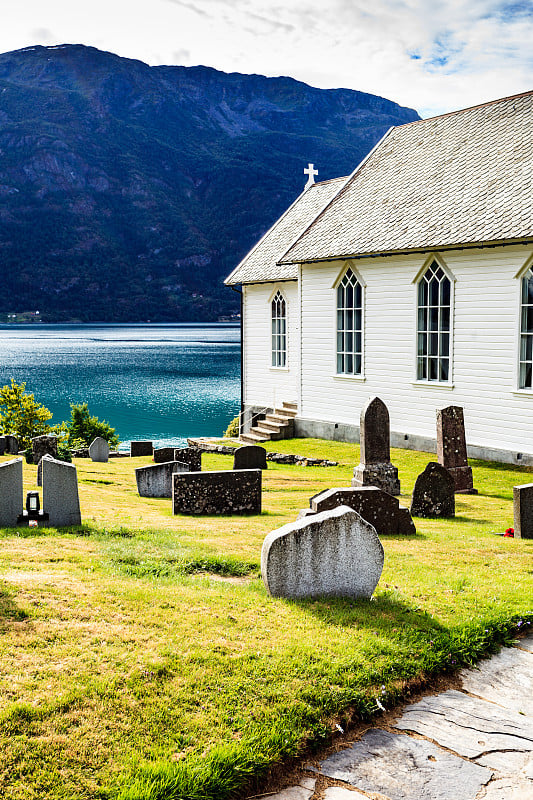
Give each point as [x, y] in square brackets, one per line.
[142, 658]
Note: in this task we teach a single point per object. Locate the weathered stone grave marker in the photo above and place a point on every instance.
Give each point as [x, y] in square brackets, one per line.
[11, 494]
[251, 456]
[143, 448]
[523, 511]
[44, 446]
[60, 493]
[224, 492]
[334, 553]
[162, 455]
[377, 507]
[12, 445]
[155, 480]
[451, 448]
[434, 493]
[375, 468]
[191, 456]
[99, 450]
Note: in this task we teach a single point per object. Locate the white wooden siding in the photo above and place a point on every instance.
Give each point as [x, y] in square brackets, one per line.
[484, 348]
[266, 385]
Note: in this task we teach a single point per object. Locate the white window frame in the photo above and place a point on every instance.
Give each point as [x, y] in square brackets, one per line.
[435, 258]
[350, 376]
[275, 351]
[525, 272]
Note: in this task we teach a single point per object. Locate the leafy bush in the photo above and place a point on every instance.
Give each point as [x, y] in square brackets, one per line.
[21, 414]
[232, 431]
[84, 428]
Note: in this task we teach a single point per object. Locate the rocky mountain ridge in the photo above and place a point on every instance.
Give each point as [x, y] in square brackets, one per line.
[128, 192]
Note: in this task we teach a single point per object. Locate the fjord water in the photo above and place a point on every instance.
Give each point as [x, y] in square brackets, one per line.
[159, 382]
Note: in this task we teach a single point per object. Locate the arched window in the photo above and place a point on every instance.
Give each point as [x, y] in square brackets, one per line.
[526, 332]
[349, 325]
[433, 330]
[279, 331]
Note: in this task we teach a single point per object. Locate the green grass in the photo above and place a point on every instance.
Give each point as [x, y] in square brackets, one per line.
[142, 658]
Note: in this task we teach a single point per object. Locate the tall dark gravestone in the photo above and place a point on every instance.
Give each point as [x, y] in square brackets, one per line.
[451, 448]
[375, 468]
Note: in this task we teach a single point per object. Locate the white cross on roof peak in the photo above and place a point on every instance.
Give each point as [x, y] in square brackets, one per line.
[311, 171]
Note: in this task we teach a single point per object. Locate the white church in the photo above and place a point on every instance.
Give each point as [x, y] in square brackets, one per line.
[410, 279]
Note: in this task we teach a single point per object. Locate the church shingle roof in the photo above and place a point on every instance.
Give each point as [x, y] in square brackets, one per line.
[458, 179]
[260, 263]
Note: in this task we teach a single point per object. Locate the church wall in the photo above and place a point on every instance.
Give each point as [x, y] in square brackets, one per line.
[485, 349]
[264, 385]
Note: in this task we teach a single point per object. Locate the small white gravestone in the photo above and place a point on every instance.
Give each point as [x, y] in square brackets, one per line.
[60, 493]
[335, 553]
[11, 495]
[99, 450]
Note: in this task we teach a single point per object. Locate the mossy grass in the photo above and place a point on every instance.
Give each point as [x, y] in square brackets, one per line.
[143, 660]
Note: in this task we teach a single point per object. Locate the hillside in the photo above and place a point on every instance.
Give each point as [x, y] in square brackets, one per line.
[128, 192]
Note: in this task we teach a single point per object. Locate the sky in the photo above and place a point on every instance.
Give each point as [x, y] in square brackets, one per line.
[431, 55]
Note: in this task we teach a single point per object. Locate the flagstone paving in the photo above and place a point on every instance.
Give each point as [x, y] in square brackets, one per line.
[474, 744]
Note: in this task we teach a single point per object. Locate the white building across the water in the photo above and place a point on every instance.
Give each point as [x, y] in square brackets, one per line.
[412, 280]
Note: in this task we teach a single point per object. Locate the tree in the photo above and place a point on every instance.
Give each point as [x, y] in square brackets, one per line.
[21, 414]
[82, 428]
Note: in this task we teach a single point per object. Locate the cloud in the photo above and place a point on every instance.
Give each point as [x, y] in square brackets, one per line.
[43, 36]
[182, 56]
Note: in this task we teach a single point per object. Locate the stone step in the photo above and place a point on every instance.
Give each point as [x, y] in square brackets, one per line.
[252, 437]
[279, 419]
[290, 409]
[267, 433]
[274, 422]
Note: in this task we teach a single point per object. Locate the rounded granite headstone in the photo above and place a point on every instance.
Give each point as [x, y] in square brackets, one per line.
[99, 450]
[251, 456]
[334, 553]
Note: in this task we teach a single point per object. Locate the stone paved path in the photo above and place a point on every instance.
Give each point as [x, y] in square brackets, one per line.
[474, 744]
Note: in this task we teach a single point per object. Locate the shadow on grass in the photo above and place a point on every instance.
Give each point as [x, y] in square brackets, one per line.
[384, 614]
[9, 611]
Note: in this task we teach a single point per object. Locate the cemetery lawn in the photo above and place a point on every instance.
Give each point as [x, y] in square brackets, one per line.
[142, 659]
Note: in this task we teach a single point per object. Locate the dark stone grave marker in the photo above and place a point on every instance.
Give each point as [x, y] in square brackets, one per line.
[434, 493]
[250, 456]
[451, 448]
[375, 468]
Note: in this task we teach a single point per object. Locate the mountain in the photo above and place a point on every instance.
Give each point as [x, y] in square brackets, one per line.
[128, 192]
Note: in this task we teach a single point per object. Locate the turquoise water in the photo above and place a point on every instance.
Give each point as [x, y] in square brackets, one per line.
[159, 382]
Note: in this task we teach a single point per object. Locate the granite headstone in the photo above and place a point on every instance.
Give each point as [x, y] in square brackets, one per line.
[377, 507]
[99, 450]
[451, 448]
[434, 493]
[191, 456]
[250, 456]
[155, 480]
[375, 468]
[523, 511]
[44, 446]
[60, 493]
[143, 448]
[11, 494]
[162, 455]
[12, 444]
[334, 553]
[225, 492]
